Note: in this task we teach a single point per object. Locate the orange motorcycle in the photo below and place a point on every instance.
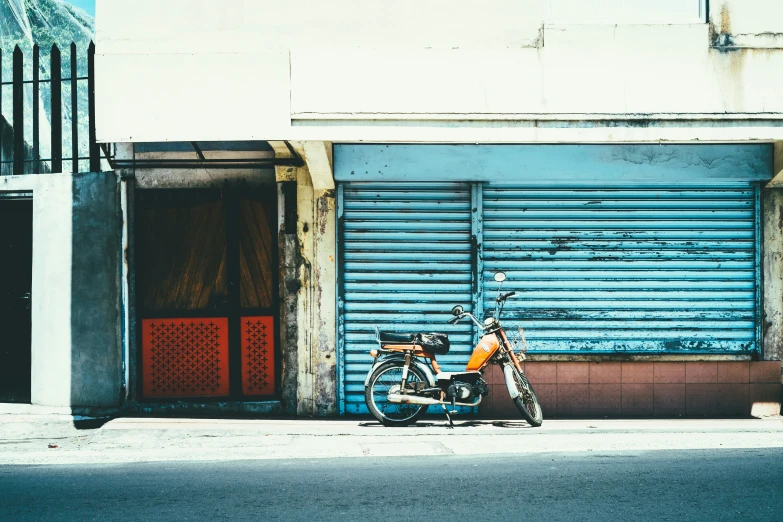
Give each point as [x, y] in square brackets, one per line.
[401, 384]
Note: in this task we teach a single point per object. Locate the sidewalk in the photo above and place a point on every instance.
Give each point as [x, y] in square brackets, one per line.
[60, 439]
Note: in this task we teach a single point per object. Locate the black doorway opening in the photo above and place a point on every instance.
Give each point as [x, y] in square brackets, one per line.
[16, 274]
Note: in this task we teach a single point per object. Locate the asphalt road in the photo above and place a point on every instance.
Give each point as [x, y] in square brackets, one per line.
[730, 484]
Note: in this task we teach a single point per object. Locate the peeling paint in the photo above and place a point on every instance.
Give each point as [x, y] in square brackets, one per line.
[773, 268]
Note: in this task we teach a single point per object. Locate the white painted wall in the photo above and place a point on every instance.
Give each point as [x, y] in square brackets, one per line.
[75, 351]
[435, 70]
[51, 285]
[626, 11]
[749, 23]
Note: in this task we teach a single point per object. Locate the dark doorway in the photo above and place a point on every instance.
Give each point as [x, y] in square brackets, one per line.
[16, 275]
[207, 293]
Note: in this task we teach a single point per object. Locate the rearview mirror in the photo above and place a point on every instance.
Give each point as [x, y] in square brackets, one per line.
[500, 277]
[457, 311]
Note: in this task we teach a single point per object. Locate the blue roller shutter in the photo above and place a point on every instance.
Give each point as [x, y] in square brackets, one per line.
[406, 260]
[627, 268]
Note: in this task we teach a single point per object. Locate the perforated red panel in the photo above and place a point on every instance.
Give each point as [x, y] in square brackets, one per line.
[185, 357]
[258, 355]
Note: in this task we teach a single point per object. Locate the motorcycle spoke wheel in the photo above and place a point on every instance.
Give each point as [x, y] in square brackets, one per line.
[388, 379]
[527, 401]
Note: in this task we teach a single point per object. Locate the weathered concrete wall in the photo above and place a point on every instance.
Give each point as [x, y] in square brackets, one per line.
[96, 348]
[289, 328]
[746, 24]
[308, 285]
[75, 321]
[772, 205]
[512, 71]
[305, 295]
[324, 322]
[316, 386]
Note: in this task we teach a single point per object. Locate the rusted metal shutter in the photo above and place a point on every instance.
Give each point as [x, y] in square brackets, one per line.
[627, 268]
[406, 260]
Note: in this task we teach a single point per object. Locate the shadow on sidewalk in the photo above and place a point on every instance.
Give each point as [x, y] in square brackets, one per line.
[457, 424]
[90, 423]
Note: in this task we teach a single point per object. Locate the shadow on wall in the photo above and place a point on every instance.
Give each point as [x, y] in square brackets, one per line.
[96, 354]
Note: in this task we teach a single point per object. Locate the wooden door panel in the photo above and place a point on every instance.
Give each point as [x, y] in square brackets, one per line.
[256, 255]
[183, 257]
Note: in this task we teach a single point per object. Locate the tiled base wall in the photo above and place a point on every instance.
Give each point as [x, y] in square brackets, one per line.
[644, 389]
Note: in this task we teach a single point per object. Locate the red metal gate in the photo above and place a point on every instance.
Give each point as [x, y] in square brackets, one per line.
[207, 290]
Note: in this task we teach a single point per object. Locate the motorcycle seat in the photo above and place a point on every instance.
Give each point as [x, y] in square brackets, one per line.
[394, 337]
[436, 343]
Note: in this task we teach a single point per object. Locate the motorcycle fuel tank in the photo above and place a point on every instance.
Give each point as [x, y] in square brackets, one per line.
[485, 349]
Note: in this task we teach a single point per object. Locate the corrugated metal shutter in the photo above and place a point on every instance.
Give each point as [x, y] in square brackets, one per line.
[406, 255]
[626, 269]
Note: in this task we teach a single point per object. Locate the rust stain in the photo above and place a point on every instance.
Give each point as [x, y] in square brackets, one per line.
[322, 211]
[722, 38]
[725, 19]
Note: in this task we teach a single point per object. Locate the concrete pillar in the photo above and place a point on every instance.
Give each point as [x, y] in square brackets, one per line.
[307, 289]
[290, 283]
[96, 347]
[75, 345]
[127, 180]
[324, 318]
[304, 232]
[772, 205]
[51, 289]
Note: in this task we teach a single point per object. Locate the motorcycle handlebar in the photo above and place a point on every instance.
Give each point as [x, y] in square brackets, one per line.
[464, 315]
[506, 296]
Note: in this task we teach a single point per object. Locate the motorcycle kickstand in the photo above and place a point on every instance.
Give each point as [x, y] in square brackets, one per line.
[448, 416]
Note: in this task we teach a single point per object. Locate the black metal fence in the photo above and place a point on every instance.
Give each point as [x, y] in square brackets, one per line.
[25, 157]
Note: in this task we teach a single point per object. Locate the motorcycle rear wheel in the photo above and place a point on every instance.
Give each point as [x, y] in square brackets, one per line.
[382, 380]
[527, 401]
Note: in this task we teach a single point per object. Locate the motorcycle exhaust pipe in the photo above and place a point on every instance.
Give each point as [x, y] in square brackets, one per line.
[397, 398]
[411, 399]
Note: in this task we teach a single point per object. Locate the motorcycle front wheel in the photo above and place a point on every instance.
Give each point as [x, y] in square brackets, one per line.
[527, 401]
[387, 378]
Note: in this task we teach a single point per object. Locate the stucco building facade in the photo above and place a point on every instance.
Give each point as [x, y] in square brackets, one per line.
[289, 176]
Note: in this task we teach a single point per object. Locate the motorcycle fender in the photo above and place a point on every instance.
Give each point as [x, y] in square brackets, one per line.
[508, 373]
[414, 362]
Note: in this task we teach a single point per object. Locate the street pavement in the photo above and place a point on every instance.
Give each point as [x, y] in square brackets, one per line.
[55, 467]
[699, 485]
[57, 439]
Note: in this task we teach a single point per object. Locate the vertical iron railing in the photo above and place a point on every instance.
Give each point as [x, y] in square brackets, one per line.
[74, 112]
[95, 151]
[26, 157]
[18, 108]
[36, 115]
[57, 110]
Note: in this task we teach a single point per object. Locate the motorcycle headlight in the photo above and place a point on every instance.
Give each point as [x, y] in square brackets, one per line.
[488, 321]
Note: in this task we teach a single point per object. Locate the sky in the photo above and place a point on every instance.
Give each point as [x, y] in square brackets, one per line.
[87, 5]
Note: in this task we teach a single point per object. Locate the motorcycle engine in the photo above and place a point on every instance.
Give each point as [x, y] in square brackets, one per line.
[465, 392]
